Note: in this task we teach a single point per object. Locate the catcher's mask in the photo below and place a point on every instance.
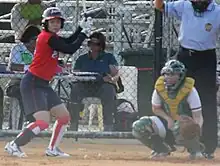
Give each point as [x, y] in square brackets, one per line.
[51, 13]
[174, 73]
[200, 6]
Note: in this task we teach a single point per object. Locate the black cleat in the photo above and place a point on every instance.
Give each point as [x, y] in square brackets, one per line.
[208, 155]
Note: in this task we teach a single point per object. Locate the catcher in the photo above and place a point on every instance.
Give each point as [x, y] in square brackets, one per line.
[177, 107]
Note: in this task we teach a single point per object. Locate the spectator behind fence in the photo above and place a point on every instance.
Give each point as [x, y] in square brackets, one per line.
[20, 57]
[99, 61]
[26, 13]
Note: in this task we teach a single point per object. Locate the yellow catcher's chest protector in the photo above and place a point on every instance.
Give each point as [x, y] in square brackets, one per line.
[173, 103]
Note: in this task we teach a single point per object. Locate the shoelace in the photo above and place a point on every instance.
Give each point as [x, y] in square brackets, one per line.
[58, 150]
[17, 147]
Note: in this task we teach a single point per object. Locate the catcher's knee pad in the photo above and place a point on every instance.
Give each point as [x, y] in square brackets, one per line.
[142, 127]
[151, 132]
[150, 125]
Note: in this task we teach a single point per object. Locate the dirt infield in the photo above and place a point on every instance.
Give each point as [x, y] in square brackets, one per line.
[93, 154]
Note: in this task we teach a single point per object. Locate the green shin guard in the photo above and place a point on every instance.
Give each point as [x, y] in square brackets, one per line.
[155, 142]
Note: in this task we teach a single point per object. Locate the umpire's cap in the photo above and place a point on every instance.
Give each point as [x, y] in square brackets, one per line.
[30, 32]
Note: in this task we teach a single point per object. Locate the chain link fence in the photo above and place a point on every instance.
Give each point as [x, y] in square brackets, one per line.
[129, 30]
[128, 27]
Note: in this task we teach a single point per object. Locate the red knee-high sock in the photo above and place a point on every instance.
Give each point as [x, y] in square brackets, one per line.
[30, 131]
[58, 131]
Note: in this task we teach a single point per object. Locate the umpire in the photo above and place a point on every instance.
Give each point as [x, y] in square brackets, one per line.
[200, 21]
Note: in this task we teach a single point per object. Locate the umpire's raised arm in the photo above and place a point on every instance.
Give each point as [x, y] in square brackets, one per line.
[171, 8]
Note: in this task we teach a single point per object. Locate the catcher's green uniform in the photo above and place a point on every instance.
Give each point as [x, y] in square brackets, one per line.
[174, 103]
[176, 106]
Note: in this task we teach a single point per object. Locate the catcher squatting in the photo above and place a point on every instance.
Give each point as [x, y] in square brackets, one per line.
[177, 107]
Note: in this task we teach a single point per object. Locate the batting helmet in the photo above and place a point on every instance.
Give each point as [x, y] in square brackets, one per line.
[51, 13]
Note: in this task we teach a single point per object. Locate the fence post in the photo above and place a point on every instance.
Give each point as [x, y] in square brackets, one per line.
[158, 50]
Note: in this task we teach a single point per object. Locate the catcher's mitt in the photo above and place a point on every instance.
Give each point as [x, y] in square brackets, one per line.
[189, 129]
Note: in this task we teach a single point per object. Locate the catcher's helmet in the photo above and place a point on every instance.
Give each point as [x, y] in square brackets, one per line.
[173, 67]
[51, 13]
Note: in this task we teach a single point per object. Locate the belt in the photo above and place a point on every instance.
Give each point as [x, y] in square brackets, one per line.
[197, 51]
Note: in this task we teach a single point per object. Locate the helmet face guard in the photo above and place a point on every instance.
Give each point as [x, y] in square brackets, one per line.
[174, 73]
[171, 79]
